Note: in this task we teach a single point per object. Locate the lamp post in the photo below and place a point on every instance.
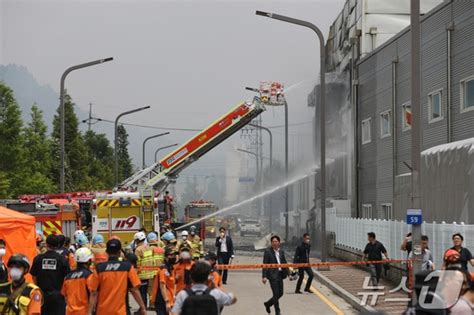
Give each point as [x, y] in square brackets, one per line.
[146, 140]
[116, 135]
[62, 135]
[162, 148]
[322, 103]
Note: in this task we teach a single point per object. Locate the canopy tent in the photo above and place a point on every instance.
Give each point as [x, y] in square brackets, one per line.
[19, 233]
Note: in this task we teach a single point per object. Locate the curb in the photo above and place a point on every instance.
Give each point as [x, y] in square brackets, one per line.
[346, 296]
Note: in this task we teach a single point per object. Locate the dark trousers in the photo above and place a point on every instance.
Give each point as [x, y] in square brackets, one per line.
[277, 291]
[144, 292]
[301, 271]
[375, 272]
[53, 304]
[160, 305]
[223, 259]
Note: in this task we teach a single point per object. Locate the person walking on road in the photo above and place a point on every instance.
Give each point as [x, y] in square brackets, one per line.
[225, 251]
[373, 252]
[274, 255]
[302, 256]
[111, 283]
[200, 298]
[48, 271]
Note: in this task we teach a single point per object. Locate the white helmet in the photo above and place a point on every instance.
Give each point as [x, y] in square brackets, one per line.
[83, 255]
[184, 233]
[139, 236]
[77, 233]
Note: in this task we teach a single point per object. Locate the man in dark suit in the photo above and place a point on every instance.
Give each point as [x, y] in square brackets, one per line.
[302, 256]
[225, 251]
[274, 255]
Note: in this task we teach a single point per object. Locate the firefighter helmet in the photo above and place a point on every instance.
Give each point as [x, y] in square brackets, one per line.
[192, 230]
[139, 236]
[83, 255]
[452, 256]
[98, 239]
[168, 236]
[19, 259]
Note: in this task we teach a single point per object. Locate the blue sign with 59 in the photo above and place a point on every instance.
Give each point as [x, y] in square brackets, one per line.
[414, 216]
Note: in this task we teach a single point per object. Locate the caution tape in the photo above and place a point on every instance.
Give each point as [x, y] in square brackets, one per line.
[298, 265]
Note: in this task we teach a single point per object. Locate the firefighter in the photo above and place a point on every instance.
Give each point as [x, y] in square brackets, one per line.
[164, 285]
[157, 259]
[40, 245]
[48, 271]
[169, 240]
[184, 242]
[3, 269]
[98, 249]
[78, 283]
[111, 283]
[196, 244]
[145, 260]
[182, 269]
[19, 297]
[215, 280]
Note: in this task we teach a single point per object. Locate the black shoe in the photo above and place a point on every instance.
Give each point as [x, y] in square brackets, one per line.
[298, 292]
[267, 308]
[307, 290]
[224, 282]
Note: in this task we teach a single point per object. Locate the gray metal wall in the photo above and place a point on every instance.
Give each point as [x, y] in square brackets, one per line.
[376, 160]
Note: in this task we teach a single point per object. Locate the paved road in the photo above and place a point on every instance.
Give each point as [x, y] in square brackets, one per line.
[251, 294]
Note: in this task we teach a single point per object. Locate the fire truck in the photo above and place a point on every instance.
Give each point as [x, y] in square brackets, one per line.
[55, 213]
[200, 208]
[132, 205]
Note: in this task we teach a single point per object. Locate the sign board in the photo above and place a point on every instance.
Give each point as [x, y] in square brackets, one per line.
[414, 216]
[119, 224]
[246, 179]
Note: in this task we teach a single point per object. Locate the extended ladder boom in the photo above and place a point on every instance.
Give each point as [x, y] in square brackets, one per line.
[160, 174]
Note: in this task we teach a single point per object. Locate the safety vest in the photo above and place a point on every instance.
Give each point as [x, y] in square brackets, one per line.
[196, 247]
[148, 261]
[22, 301]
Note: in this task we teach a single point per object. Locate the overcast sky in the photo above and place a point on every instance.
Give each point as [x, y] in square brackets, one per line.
[189, 60]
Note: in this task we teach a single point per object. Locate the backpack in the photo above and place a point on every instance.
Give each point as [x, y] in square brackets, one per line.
[199, 303]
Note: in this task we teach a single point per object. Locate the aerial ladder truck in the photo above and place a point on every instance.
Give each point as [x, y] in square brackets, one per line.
[134, 203]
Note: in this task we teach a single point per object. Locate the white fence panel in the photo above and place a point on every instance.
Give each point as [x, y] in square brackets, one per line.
[352, 232]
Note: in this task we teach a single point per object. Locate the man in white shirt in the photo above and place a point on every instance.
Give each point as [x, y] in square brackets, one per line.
[225, 251]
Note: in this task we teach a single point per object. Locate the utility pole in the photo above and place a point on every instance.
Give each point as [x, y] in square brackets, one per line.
[89, 120]
[416, 201]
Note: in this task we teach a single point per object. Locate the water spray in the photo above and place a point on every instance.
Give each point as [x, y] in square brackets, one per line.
[244, 202]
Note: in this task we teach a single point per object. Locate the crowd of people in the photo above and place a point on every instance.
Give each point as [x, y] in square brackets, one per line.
[166, 275]
[455, 259]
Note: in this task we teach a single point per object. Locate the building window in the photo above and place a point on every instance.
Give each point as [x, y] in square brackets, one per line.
[406, 116]
[387, 212]
[467, 94]
[367, 211]
[385, 124]
[435, 106]
[366, 135]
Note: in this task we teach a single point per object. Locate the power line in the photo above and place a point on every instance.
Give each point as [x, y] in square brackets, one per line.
[183, 129]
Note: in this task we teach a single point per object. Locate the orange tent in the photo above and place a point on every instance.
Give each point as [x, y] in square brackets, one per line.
[18, 231]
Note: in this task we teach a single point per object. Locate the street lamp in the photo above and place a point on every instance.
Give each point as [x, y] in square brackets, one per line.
[162, 148]
[322, 103]
[116, 135]
[146, 140]
[62, 114]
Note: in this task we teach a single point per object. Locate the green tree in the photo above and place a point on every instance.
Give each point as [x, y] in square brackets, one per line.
[101, 160]
[76, 153]
[12, 153]
[4, 186]
[125, 167]
[38, 151]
